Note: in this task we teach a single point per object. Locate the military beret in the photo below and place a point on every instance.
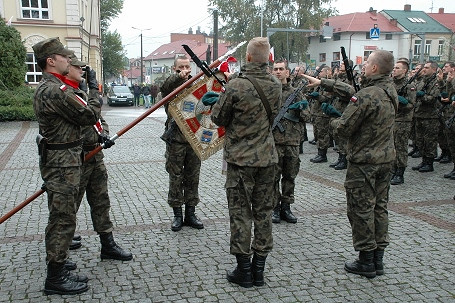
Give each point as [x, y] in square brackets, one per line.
[75, 61]
[49, 47]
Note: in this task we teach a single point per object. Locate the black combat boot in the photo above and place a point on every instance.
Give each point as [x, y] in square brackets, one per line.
[452, 173]
[394, 171]
[447, 158]
[70, 265]
[427, 165]
[110, 249]
[321, 157]
[258, 269]
[336, 162]
[363, 266]
[60, 281]
[191, 219]
[398, 177]
[286, 213]
[301, 147]
[420, 165]
[177, 223]
[378, 265]
[75, 245]
[241, 275]
[276, 214]
[343, 164]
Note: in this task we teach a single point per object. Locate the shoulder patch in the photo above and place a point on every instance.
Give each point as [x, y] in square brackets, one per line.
[354, 99]
[63, 87]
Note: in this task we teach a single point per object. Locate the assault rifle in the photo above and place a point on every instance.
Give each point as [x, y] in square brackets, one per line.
[285, 107]
[348, 69]
[318, 71]
[402, 90]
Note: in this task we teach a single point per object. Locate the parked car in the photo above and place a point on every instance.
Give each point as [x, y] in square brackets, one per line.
[119, 94]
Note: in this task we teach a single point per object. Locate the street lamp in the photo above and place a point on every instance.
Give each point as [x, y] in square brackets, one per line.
[142, 56]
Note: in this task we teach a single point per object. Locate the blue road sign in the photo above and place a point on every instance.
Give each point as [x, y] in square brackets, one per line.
[374, 33]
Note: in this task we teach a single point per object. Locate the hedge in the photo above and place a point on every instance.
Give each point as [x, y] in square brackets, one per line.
[17, 104]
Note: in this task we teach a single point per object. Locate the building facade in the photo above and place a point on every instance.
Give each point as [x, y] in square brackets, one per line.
[75, 22]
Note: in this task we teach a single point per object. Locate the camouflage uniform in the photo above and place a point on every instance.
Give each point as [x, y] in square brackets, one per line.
[426, 114]
[367, 124]
[251, 156]
[94, 175]
[321, 120]
[182, 163]
[403, 121]
[60, 116]
[448, 112]
[442, 108]
[287, 146]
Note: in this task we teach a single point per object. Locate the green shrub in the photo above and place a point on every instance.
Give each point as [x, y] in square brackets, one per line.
[17, 104]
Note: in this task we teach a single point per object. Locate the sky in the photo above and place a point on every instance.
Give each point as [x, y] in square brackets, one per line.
[157, 21]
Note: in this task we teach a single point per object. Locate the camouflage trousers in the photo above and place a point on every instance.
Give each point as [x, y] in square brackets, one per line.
[442, 139]
[61, 184]
[322, 124]
[183, 166]
[427, 136]
[401, 133]
[450, 135]
[367, 193]
[340, 142]
[94, 185]
[286, 170]
[250, 196]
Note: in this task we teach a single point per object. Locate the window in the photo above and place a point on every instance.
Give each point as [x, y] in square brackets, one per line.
[367, 35]
[417, 48]
[34, 73]
[321, 39]
[336, 56]
[35, 9]
[366, 54]
[322, 57]
[440, 47]
[427, 47]
[336, 36]
[388, 36]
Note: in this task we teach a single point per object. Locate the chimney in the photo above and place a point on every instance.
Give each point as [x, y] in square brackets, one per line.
[190, 31]
[441, 10]
[407, 7]
[394, 22]
[372, 11]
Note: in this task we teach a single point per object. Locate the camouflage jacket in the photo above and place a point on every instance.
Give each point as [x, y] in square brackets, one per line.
[368, 122]
[324, 97]
[405, 112]
[292, 129]
[427, 106]
[171, 83]
[341, 101]
[249, 140]
[60, 115]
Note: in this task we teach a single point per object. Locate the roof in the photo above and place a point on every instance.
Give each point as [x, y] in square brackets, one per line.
[446, 19]
[416, 21]
[133, 73]
[170, 50]
[361, 22]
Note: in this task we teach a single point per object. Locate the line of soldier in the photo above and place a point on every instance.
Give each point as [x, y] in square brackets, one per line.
[426, 103]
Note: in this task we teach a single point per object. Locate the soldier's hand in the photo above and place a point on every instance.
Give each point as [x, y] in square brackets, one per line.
[420, 93]
[105, 140]
[210, 98]
[313, 95]
[91, 78]
[328, 109]
[303, 104]
[403, 100]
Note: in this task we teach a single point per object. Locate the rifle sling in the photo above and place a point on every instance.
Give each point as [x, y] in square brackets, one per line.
[262, 96]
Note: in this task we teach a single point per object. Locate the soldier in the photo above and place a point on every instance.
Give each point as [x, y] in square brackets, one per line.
[321, 120]
[403, 119]
[93, 171]
[182, 163]
[448, 113]
[60, 114]
[415, 153]
[287, 145]
[251, 156]
[426, 114]
[367, 123]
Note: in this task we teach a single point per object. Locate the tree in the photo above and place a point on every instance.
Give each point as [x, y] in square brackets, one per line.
[12, 57]
[242, 21]
[111, 43]
[113, 53]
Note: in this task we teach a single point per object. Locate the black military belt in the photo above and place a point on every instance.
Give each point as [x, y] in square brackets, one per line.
[291, 117]
[90, 147]
[61, 146]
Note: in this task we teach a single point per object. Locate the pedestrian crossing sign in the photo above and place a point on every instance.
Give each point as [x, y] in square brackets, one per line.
[374, 33]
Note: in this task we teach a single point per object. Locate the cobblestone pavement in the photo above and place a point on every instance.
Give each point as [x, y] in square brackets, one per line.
[306, 264]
